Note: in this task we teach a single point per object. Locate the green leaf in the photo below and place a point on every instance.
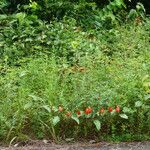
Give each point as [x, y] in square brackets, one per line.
[20, 16]
[127, 110]
[138, 104]
[147, 97]
[140, 7]
[75, 119]
[123, 116]
[97, 124]
[3, 17]
[132, 13]
[46, 107]
[55, 120]
[23, 73]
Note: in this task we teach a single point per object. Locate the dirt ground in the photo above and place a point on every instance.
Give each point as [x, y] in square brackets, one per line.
[91, 145]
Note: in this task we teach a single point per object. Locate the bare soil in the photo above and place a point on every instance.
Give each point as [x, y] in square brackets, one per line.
[91, 145]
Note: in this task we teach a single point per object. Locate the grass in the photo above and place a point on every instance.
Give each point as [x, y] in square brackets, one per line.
[106, 68]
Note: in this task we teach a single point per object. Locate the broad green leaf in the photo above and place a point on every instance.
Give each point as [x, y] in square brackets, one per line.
[132, 13]
[46, 107]
[123, 116]
[75, 119]
[97, 124]
[138, 104]
[20, 16]
[140, 7]
[3, 16]
[147, 97]
[55, 120]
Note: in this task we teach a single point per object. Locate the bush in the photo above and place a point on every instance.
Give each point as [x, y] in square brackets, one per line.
[24, 36]
[48, 10]
[77, 76]
[104, 89]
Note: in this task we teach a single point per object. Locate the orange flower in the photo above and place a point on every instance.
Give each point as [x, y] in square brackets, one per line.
[102, 110]
[110, 109]
[88, 110]
[68, 114]
[78, 113]
[117, 109]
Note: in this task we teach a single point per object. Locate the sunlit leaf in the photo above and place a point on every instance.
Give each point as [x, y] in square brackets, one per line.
[138, 104]
[75, 119]
[97, 124]
[123, 116]
[55, 120]
[147, 97]
[46, 107]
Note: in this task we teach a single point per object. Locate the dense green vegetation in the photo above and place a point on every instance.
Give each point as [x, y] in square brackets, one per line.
[74, 69]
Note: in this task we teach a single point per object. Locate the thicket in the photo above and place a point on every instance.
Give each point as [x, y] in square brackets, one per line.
[71, 69]
[61, 6]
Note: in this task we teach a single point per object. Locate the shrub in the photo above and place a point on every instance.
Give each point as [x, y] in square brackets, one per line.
[36, 91]
[59, 78]
[25, 36]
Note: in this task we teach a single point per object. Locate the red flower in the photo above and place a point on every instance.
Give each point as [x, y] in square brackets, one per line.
[68, 114]
[78, 113]
[60, 109]
[110, 109]
[102, 110]
[88, 110]
[117, 109]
